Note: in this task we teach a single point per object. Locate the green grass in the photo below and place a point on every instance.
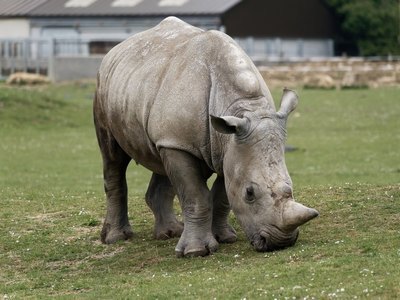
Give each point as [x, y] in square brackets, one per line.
[346, 136]
[52, 203]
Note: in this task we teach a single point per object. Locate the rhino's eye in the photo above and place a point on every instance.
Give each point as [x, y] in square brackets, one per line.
[250, 197]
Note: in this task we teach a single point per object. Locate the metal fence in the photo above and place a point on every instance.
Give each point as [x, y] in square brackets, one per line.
[280, 49]
[36, 55]
[28, 55]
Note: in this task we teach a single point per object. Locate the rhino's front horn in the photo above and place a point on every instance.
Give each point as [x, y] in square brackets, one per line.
[296, 214]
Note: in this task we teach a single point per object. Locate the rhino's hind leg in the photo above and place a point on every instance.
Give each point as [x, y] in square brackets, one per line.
[188, 175]
[223, 232]
[159, 197]
[115, 161]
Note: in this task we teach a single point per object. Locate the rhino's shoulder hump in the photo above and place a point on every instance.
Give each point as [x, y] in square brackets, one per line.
[235, 64]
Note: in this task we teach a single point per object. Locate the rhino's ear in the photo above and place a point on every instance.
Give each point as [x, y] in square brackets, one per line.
[229, 124]
[288, 103]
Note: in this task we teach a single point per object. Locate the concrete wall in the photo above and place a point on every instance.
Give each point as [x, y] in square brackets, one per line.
[14, 28]
[74, 68]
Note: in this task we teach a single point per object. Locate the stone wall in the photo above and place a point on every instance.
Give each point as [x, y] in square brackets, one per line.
[334, 73]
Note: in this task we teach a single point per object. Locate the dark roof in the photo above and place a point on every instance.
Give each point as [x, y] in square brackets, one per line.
[13, 8]
[137, 8]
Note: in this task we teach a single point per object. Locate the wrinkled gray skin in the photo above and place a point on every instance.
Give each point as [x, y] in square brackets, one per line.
[186, 103]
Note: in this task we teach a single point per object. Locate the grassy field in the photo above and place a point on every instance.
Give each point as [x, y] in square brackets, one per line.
[52, 203]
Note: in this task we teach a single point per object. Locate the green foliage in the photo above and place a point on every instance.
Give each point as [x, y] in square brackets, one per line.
[372, 24]
[52, 207]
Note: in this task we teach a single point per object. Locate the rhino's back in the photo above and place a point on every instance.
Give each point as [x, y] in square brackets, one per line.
[148, 50]
[154, 90]
[143, 57]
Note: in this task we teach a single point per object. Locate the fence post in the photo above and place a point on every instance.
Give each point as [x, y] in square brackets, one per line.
[331, 50]
[26, 55]
[300, 47]
[279, 49]
[50, 65]
[1, 59]
[13, 57]
[267, 49]
[250, 46]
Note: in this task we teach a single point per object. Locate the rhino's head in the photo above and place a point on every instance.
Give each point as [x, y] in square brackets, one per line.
[257, 182]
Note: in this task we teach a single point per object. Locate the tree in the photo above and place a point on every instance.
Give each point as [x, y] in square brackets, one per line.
[372, 24]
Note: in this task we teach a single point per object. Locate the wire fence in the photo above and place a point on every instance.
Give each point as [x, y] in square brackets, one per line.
[36, 55]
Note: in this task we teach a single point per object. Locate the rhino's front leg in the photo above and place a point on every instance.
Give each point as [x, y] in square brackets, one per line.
[188, 175]
[223, 232]
[159, 197]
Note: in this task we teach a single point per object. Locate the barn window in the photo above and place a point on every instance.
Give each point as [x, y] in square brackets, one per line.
[125, 3]
[79, 3]
[172, 2]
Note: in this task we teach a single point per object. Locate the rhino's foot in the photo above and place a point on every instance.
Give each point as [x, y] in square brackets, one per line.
[196, 246]
[110, 235]
[169, 230]
[225, 234]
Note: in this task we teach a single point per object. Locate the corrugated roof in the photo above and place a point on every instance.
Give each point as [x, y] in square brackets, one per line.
[13, 8]
[133, 7]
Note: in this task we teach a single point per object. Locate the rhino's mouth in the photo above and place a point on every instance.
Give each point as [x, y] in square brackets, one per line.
[271, 240]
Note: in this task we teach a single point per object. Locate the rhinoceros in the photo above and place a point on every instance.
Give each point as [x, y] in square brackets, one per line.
[187, 103]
